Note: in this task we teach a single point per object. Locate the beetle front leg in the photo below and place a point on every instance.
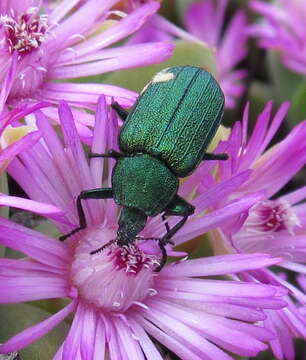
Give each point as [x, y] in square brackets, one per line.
[122, 113]
[177, 207]
[100, 193]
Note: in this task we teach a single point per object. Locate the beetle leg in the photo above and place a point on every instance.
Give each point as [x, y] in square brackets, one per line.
[220, 156]
[177, 207]
[166, 223]
[100, 193]
[111, 153]
[122, 113]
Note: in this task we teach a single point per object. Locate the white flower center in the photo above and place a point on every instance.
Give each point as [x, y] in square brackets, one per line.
[24, 32]
[115, 278]
[272, 216]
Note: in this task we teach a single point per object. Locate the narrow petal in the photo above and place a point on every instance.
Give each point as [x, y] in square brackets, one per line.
[123, 28]
[73, 340]
[34, 244]
[8, 80]
[43, 209]
[220, 265]
[31, 287]
[145, 342]
[136, 57]
[215, 218]
[88, 333]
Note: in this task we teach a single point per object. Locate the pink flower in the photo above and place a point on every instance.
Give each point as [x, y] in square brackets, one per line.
[118, 300]
[282, 29]
[70, 41]
[274, 225]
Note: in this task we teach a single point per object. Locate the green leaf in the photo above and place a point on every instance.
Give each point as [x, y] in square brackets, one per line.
[297, 111]
[182, 5]
[17, 317]
[284, 81]
[136, 79]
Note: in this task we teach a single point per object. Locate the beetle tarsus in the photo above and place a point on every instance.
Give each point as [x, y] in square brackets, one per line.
[220, 156]
[109, 154]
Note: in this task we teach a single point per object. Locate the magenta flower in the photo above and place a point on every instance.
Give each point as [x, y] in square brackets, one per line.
[282, 29]
[118, 300]
[37, 48]
[274, 226]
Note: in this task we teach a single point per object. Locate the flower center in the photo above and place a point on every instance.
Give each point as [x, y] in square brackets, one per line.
[24, 32]
[272, 216]
[115, 278]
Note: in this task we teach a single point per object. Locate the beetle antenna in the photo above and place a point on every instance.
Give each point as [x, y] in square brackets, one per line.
[103, 247]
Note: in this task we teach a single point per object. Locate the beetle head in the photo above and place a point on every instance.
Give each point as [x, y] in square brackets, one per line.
[131, 223]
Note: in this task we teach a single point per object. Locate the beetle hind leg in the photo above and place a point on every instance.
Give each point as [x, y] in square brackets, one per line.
[177, 207]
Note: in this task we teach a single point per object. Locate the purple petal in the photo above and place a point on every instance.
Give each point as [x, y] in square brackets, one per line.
[220, 265]
[134, 56]
[123, 28]
[32, 287]
[88, 332]
[176, 336]
[73, 340]
[17, 147]
[145, 342]
[34, 244]
[216, 218]
[43, 209]
[8, 80]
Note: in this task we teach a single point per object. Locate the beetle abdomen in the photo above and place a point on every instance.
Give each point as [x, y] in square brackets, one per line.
[175, 118]
[143, 182]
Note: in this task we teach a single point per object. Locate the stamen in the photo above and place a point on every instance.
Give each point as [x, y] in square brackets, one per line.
[24, 32]
[272, 216]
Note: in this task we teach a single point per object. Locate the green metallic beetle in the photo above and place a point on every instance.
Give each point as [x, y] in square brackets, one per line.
[164, 137]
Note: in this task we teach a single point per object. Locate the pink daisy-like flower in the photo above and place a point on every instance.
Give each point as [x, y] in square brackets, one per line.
[274, 225]
[282, 29]
[120, 303]
[70, 41]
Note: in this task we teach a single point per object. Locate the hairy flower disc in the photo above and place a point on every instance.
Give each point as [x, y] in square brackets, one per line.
[113, 279]
[272, 216]
[24, 32]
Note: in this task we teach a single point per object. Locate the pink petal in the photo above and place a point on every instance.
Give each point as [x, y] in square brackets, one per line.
[139, 55]
[220, 265]
[145, 342]
[32, 287]
[34, 244]
[216, 218]
[73, 340]
[8, 80]
[43, 209]
[123, 28]
[88, 332]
